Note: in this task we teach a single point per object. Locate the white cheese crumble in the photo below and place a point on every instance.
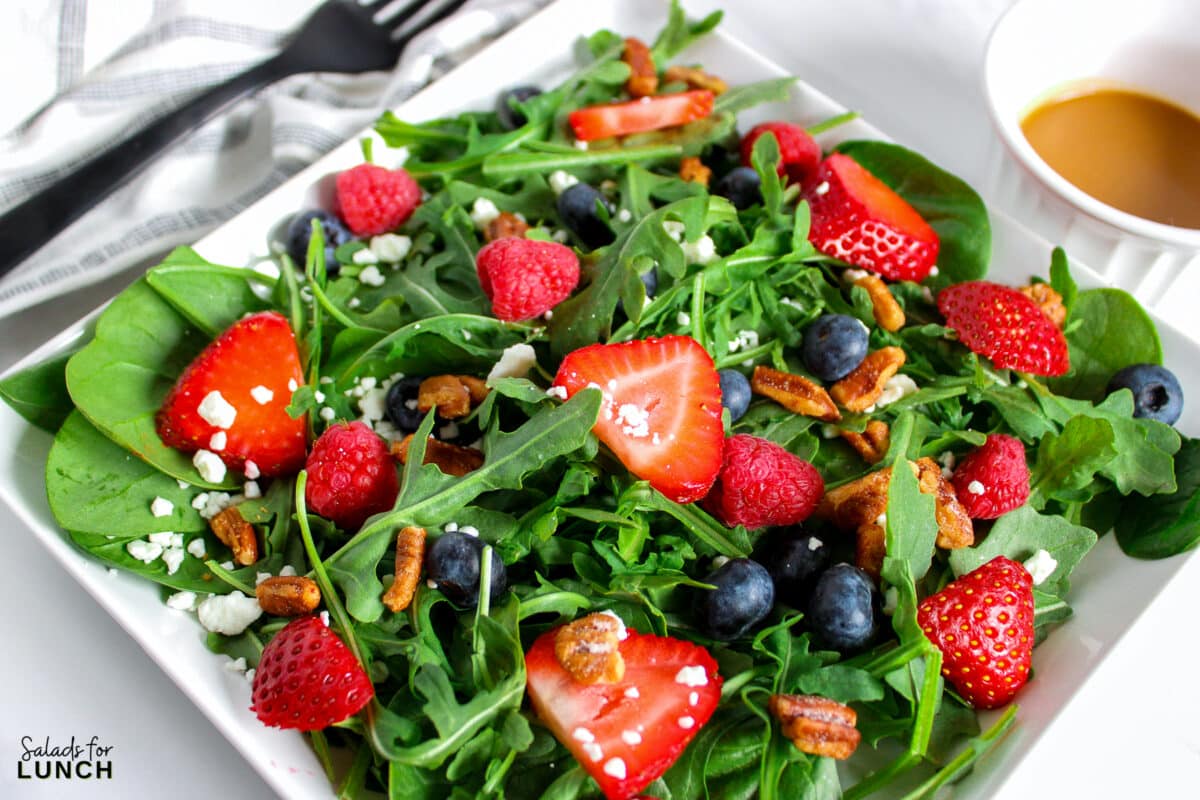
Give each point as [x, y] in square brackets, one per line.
[814, 543]
[161, 507]
[744, 340]
[197, 547]
[616, 768]
[236, 664]
[622, 633]
[325, 618]
[287, 571]
[822, 188]
[692, 676]
[515, 362]
[173, 558]
[217, 441]
[891, 598]
[975, 487]
[483, 212]
[581, 144]
[686, 722]
[327, 414]
[560, 236]
[251, 490]
[631, 738]
[561, 181]
[624, 215]
[259, 577]
[683, 319]
[557, 391]
[209, 465]
[162, 538]
[634, 419]
[182, 601]
[593, 751]
[933, 273]
[469, 530]
[262, 395]
[183, 484]
[674, 229]
[229, 614]
[144, 551]
[894, 388]
[702, 251]
[947, 461]
[215, 502]
[881, 520]
[632, 693]
[391, 247]
[251, 470]
[216, 410]
[371, 276]
[1041, 565]
[364, 257]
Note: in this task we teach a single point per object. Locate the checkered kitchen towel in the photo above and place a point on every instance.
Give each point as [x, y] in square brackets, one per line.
[81, 74]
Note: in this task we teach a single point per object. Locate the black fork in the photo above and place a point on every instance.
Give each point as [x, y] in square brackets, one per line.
[340, 36]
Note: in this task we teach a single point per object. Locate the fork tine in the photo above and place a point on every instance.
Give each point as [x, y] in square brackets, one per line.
[405, 32]
[386, 12]
[373, 7]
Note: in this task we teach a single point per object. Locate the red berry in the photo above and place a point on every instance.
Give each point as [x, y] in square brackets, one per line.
[1002, 324]
[799, 152]
[307, 679]
[643, 114]
[983, 624]
[525, 278]
[351, 475]
[993, 479]
[856, 217]
[763, 484]
[372, 200]
[252, 367]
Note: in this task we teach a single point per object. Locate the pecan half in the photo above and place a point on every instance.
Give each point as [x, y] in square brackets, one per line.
[884, 305]
[795, 393]
[477, 388]
[816, 725]
[236, 534]
[1048, 300]
[694, 78]
[872, 444]
[643, 77]
[870, 546]
[447, 394]
[450, 458]
[410, 554]
[955, 529]
[505, 226]
[288, 595]
[692, 170]
[588, 648]
[859, 390]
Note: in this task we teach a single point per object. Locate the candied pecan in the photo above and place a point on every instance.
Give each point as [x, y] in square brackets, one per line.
[955, 528]
[447, 394]
[504, 226]
[857, 503]
[477, 388]
[288, 595]
[870, 546]
[692, 170]
[1048, 300]
[450, 458]
[643, 77]
[694, 78]
[795, 393]
[588, 648]
[884, 305]
[816, 725]
[859, 390]
[236, 534]
[872, 444]
[410, 555]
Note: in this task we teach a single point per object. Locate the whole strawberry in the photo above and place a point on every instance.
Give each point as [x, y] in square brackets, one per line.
[993, 479]
[351, 475]
[1002, 324]
[983, 624]
[307, 679]
[372, 200]
[799, 153]
[525, 278]
[761, 484]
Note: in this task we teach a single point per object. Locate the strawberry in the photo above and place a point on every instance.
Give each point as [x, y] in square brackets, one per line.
[1002, 324]
[626, 734]
[525, 278]
[993, 479]
[247, 370]
[351, 475]
[799, 152]
[372, 200]
[308, 679]
[643, 114]
[983, 624]
[857, 218]
[662, 409]
[762, 484]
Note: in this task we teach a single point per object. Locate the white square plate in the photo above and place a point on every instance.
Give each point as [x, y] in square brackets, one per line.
[1110, 591]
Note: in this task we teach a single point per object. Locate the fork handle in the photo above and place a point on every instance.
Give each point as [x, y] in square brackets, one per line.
[32, 223]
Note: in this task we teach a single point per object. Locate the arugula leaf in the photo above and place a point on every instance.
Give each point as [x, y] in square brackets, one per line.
[1068, 462]
[678, 34]
[1108, 330]
[748, 95]
[1160, 527]
[39, 392]
[1061, 280]
[911, 527]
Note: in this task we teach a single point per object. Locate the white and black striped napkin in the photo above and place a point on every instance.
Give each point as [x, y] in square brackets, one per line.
[84, 74]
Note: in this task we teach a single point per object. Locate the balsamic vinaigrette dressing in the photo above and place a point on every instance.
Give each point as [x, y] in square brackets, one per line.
[1130, 150]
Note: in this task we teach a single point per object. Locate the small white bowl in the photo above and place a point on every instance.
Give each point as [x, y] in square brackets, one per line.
[1036, 48]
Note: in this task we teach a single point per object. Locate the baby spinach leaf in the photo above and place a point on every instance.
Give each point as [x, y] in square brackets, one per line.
[193, 575]
[1159, 527]
[461, 342]
[211, 297]
[39, 393]
[949, 205]
[1109, 330]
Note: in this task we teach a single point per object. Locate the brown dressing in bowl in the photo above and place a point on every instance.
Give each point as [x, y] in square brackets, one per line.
[1130, 150]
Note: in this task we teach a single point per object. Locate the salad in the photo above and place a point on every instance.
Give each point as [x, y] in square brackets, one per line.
[600, 450]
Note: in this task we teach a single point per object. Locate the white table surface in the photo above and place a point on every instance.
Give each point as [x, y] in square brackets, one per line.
[912, 68]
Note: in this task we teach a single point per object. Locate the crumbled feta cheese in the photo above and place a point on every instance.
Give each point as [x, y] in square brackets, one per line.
[449, 430]
[616, 767]
[686, 722]
[236, 665]
[692, 676]
[368, 383]
[1041, 565]
[822, 188]
[197, 547]
[719, 561]
[632, 693]
[262, 395]
[624, 215]
[162, 538]
[252, 490]
[172, 557]
[675, 229]
[144, 551]
[217, 441]
[702, 251]
[744, 340]
[947, 460]
[622, 633]
[259, 577]
[391, 247]
[364, 257]
[583, 735]
[200, 501]
[483, 212]
[515, 362]
[183, 484]
[561, 181]
[560, 236]
[891, 598]
[250, 676]
[251, 470]
[209, 465]
[933, 273]
[634, 419]
[881, 520]
[975, 487]
[216, 502]
[216, 410]
[182, 601]
[327, 414]
[631, 738]
[371, 276]
[287, 571]
[161, 507]
[814, 543]
[325, 380]
[894, 388]
[557, 391]
[683, 319]
[469, 530]
[549, 315]
[226, 565]
[229, 614]
[581, 144]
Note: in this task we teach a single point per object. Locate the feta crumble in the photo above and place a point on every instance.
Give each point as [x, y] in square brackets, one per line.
[692, 676]
[975, 487]
[744, 340]
[229, 614]
[252, 490]
[702, 251]
[216, 410]
[822, 188]
[197, 547]
[182, 601]
[674, 229]
[364, 257]
[483, 212]
[173, 558]
[560, 181]
[161, 507]
[327, 414]
[624, 215]
[814, 543]
[371, 276]
[217, 441]
[632, 693]
[1041, 565]
[209, 465]
[683, 319]
[634, 419]
[251, 470]
[144, 551]
[622, 633]
[162, 538]
[894, 388]
[557, 391]
[515, 362]
[262, 395]
[391, 247]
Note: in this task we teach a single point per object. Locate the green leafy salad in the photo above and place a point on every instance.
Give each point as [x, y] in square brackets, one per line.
[603, 349]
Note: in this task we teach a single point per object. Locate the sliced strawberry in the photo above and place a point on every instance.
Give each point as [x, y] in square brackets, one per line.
[857, 218]
[252, 367]
[662, 409]
[643, 114]
[1002, 324]
[628, 733]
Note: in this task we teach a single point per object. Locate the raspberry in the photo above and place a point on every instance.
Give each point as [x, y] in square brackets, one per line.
[762, 484]
[993, 479]
[799, 153]
[351, 475]
[525, 278]
[372, 200]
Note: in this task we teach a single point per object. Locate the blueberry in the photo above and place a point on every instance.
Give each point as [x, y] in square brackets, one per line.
[650, 281]
[400, 395]
[577, 209]
[795, 562]
[300, 231]
[741, 186]
[843, 608]
[744, 595]
[1156, 391]
[453, 564]
[833, 346]
[735, 392]
[510, 118]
